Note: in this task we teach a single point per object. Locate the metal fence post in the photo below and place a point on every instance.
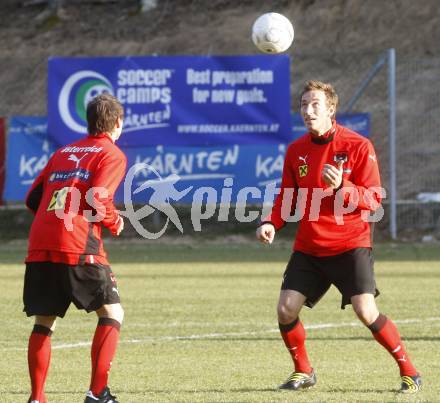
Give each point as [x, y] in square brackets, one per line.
[392, 140]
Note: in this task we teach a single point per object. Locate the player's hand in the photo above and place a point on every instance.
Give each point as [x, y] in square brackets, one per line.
[120, 224]
[266, 233]
[332, 175]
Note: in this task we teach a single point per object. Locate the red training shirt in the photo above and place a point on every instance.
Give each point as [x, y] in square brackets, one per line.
[319, 233]
[92, 162]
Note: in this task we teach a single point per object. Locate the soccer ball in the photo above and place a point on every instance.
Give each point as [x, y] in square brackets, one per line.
[272, 33]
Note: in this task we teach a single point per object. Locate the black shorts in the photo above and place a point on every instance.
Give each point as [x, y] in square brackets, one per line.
[351, 272]
[49, 288]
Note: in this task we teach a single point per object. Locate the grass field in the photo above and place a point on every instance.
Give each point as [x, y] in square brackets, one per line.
[200, 326]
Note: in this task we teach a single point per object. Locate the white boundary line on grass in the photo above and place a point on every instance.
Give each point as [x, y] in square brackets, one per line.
[205, 336]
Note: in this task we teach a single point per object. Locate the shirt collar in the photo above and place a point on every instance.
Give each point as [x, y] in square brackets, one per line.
[101, 136]
[326, 137]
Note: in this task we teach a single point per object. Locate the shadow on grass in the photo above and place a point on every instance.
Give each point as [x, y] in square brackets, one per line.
[47, 392]
[270, 273]
[410, 338]
[143, 391]
[276, 338]
[369, 391]
[256, 389]
[228, 251]
[198, 251]
[217, 390]
[196, 391]
[206, 275]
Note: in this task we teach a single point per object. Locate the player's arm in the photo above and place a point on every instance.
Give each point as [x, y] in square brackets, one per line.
[365, 180]
[283, 205]
[35, 193]
[106, 179]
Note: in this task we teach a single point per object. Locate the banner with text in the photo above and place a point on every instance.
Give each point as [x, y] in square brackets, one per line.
[228, 169]
[28, 151]
[176, 100]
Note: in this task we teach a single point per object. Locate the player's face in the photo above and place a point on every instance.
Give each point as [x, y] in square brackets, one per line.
[317, 115]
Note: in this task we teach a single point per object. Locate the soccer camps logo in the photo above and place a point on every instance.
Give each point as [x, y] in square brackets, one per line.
[78, 90]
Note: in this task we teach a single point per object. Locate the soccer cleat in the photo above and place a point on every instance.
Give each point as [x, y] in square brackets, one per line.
[104, 397]
[299, 380]
[411, 384]
[44, 400]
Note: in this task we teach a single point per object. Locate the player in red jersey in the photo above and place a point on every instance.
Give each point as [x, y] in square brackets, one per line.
[331, 181]
[72, 200]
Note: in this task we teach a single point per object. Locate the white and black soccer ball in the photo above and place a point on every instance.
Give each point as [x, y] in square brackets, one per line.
[272, 33]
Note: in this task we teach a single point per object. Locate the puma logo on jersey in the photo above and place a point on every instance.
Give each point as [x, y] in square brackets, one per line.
[75, 159]
[303, 159]
[372, 157]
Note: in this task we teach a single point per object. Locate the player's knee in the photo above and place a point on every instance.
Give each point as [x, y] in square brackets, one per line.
[118, 313]
[46, 321]
[113, 311]
[365, 313]
[121, 314]
[286, 312]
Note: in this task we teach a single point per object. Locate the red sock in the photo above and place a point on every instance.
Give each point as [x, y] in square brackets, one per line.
[39, 350]
[103, 350]
[386, 333]
[294, 337]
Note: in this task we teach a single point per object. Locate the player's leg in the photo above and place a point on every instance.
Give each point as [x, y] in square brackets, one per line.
[44, 298]
[292, 330]
[104, 346]
[353, 273]
[386, 333]
[39, 352]
[94, 288]
[302, 284]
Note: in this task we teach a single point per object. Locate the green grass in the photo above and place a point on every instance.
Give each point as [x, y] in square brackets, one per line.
[200, 326]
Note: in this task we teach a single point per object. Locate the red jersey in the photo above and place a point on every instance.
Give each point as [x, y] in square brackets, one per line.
[321, 231]
[67, 227]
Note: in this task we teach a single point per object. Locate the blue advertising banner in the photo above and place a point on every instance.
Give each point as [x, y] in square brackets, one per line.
[176, 100]
[186, 171]
[28, 150]
[227, 169]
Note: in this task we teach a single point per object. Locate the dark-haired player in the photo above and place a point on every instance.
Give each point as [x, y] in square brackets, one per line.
[72, 200]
